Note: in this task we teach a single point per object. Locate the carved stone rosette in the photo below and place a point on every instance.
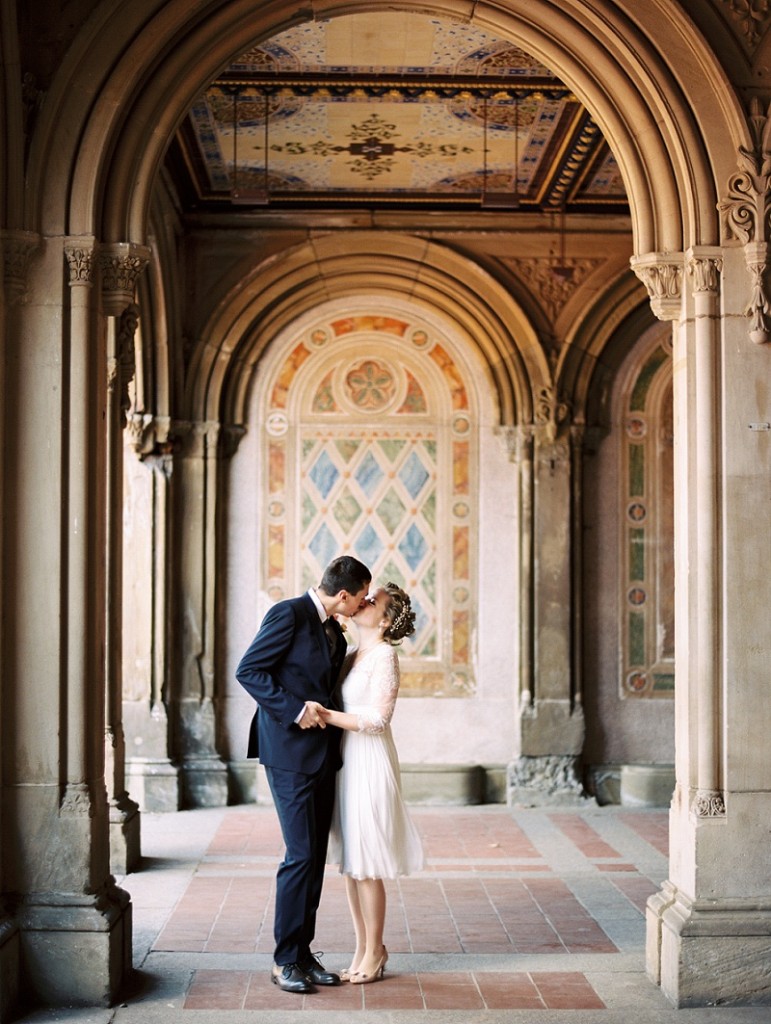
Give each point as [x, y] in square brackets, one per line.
[745, 216]
[121, 263]
[17, 248]
[662, 275]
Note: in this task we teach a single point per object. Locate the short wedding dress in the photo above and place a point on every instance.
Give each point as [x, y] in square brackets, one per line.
[372, 834]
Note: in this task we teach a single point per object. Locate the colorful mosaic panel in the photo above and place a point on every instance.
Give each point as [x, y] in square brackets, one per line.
[368, 503]
[648, 584]
[367, 470]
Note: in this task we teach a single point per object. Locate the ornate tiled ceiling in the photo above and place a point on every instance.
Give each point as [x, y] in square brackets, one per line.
[394, 109]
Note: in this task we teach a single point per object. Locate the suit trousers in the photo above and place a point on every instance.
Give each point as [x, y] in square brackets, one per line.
[304, 805]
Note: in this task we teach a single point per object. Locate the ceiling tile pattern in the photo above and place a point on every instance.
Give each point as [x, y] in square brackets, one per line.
[395, 108]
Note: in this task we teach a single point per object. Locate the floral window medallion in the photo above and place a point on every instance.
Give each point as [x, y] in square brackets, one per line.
[370, 385]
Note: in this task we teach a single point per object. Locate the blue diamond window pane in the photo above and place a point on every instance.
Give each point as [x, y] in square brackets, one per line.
[369, 546]
[413, 475]
[421, 619]
[324, 474]
[323, 545]
[413, 547]
[369, 474]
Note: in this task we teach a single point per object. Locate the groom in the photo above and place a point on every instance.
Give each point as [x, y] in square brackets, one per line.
[291, 666]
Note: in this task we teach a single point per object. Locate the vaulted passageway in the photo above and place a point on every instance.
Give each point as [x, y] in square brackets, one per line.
[165, 323]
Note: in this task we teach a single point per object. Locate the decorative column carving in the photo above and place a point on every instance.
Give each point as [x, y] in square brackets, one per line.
[120, 263]
[662, 275]
[18, 248]
[745, 216]
[704, 268]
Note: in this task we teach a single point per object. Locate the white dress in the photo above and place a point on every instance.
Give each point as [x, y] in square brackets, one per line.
[372, 835]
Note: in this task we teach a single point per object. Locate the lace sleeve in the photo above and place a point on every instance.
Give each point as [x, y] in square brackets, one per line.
[385, 687]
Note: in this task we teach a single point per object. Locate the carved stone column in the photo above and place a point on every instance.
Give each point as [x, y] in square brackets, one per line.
[125, 849]
[715, 907]
[75, 924]
[16, 249]
[203, 773]
[120, 265]
[148, 611]
[551, 716]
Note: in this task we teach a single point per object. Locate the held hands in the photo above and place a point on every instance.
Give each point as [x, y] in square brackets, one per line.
[313, 716]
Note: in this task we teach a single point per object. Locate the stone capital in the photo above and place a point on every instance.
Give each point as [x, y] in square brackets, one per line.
[120, 263]
[80, 253]
[18, 248]
[662, 275]
[517, 441]
[704, 265]
[551, 414]
[709, 804]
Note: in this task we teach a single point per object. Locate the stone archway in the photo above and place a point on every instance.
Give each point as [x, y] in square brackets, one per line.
[94, 156]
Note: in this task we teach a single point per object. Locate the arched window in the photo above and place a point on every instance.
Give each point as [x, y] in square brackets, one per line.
[370, 448]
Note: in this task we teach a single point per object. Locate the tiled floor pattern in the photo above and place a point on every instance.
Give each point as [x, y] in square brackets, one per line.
[489, 888]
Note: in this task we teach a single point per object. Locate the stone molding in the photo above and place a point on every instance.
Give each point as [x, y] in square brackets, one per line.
[745, 214]
[662, 275]
[18, 248]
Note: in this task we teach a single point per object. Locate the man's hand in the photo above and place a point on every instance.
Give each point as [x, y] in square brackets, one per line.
[311, 718]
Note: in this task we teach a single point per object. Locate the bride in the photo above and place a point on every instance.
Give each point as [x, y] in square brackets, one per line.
[372, 835]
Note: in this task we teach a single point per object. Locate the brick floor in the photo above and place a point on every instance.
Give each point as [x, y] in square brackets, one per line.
[490, 890]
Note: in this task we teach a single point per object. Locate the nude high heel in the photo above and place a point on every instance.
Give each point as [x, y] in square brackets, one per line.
[376, 975]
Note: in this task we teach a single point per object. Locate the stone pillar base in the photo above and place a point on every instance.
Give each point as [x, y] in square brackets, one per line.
[75, 953]
[154, 784]
[125, 844]
[204, 782]
[647, 785]
[707, 953]
[9, 969]
[551, 780]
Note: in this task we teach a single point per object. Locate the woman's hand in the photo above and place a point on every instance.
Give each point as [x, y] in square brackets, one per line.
[327, 715]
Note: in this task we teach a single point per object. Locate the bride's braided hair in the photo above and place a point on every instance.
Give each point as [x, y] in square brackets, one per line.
[401, 617]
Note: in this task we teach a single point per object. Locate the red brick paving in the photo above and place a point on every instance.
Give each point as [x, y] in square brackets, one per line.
[488, 891]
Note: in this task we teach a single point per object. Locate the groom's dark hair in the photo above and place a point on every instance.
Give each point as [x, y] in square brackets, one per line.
[345, 573]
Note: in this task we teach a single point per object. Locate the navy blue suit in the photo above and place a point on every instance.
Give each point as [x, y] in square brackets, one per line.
[288, 663]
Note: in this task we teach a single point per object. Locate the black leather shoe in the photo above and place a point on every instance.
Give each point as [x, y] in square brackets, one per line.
[290, 978]
[314, 972]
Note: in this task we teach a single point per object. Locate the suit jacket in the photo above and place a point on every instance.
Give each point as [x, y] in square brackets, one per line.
[287, 663]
